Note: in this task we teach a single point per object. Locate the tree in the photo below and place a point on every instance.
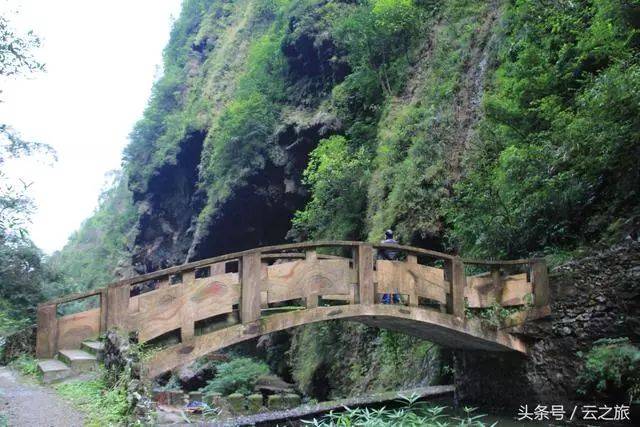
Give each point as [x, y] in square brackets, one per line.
[22, 271]
[337, 176]
[16, 58]
[377, 34]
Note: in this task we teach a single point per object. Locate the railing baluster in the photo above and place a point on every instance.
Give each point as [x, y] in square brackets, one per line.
[458, 283]
[250, 282]
[103, 310]
[365, 274]
[312, 298]
[118, 306]
[413, 295]
[187, 325]
[496, 278]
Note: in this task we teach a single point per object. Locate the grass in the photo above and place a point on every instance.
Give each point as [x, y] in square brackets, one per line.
[27, 365]
[411, 412]
[102, 405]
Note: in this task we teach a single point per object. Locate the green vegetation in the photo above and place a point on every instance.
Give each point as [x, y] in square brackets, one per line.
[381, 41]
[556, 160]
[420, 133]
[22, 281]
[103, 405]
[496, 314]
[410, 412]
[544, 168]
[356, 352]
[239, 117]
[26, 365]
[378, 35]
[23, 273]
[489, 129]
[611, 371]
[237, 376]
[494, 129]
[338, 185]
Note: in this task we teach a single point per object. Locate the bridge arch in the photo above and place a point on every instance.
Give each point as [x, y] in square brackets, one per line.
[241, 296]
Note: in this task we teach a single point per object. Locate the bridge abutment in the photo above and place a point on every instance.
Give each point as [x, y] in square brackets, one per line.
[591, 299]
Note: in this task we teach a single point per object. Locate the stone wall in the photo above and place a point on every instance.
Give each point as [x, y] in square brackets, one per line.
[595, 297]
[122, 365]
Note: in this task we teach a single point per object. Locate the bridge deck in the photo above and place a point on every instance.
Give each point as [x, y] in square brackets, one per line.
[218, 302]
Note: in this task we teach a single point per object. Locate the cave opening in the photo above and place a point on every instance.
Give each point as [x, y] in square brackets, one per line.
[171, 204]
[259, 213]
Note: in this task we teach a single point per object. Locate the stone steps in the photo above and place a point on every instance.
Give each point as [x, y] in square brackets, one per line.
[70, 362]
[78, 360]
[53, 370]
[94, 347]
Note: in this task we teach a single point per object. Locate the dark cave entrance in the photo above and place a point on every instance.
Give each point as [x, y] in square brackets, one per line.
[172, 203]
[260, 212]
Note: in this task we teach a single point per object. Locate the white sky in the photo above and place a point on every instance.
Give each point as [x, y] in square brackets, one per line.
[101, 59]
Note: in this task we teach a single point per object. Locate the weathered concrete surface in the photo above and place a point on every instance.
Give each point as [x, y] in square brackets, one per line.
[592, 298]
[53, 370]
[78, 360]
[438, 327]
[27, 404]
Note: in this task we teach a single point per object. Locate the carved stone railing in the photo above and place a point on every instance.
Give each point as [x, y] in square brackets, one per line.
[243, 287]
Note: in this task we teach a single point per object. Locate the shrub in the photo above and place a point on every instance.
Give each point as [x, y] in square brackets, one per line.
[337, 176]
[411, 412]
[554, 162]
[27, 365]
[103, 405]
[237, 376]
[611, 370]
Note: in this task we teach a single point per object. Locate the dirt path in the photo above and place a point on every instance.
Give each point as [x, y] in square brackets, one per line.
[25, 405]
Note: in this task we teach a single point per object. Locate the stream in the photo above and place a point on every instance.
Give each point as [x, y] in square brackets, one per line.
[289, 418]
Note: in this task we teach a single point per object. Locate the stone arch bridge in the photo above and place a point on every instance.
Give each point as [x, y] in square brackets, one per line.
[213, 303]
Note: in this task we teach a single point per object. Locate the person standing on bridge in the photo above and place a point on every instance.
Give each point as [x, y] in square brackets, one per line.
[389, 255]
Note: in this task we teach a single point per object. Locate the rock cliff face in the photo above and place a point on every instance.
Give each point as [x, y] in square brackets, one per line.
[257, 206]
[406, 101]
[217, 183]
[491, 129]
[592, 298]
[258, 213]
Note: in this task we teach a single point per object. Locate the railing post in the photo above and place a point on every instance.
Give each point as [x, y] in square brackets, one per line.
[365, 274]
[311, 256]
[458, 283]
[496, 278]
[412, 261]
[250, 296]
[187, 325]
[118, 306]
[103, 310]
[47, 335]
[540, 282]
